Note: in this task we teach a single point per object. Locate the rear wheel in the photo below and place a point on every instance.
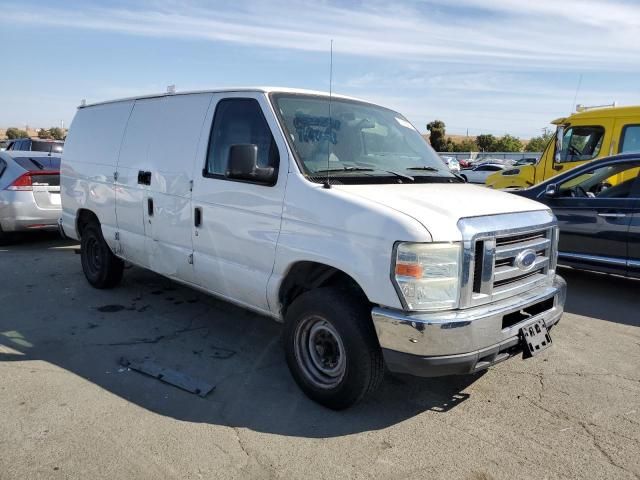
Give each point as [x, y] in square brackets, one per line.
[101, 267]
[5, 238]
[331, 347]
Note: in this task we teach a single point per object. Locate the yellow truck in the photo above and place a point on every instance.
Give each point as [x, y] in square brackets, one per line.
[590, 133]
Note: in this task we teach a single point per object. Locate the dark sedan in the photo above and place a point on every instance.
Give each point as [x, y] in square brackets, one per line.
[598, 209]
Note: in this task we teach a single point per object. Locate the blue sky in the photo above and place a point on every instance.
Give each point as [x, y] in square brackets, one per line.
[488, 66]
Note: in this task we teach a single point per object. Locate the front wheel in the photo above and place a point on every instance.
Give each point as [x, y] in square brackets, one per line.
[101, 267]
[331, 347]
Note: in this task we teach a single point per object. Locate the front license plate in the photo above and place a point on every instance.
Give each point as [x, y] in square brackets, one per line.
[535, 338]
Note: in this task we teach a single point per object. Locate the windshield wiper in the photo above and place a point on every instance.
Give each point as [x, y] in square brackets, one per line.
[344, 169]
[423, 167]
[36, 163]
[363, 169]
[398, 174]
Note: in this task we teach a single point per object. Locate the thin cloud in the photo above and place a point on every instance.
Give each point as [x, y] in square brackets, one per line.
[540, 35]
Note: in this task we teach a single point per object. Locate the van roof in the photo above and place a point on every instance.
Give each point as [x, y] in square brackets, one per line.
[629, 111]
[226, 90]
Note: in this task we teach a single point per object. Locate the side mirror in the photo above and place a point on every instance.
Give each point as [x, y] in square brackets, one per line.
[551, 190]
[559, 137]
[243, 165]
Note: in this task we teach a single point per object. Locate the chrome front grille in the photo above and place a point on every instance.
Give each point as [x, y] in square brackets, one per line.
[507, 273]
[507, 261]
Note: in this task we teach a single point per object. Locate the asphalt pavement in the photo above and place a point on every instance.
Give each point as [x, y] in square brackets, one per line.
[69, 409]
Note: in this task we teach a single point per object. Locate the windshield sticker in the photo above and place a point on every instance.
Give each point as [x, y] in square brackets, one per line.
[404, 123]
[311, 129]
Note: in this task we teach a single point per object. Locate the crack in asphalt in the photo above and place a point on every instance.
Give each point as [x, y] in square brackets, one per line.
[590, 434]
[603, 452]
[157, 339]
[268, 469]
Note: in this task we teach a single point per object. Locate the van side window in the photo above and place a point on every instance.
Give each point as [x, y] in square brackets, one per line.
[3, 166]
[630, 141]
[581, 143]
[239, 121]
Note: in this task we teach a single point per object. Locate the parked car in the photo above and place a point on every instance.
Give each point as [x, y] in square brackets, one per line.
[526, 161]
[598, 215]
[465, 162]
[452, 163]
[479, 173]
[259, 197]
[36, 145]
[588, 134]
[29, 192]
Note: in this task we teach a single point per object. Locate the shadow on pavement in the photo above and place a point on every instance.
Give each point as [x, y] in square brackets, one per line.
[606, 297]
[87, 332]
[37, 240]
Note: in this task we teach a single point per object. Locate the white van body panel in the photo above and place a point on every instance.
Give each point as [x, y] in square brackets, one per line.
[439, 206]
[89, 163]
[345, 231]
[143, 130]
[235, 248]
[169, 232]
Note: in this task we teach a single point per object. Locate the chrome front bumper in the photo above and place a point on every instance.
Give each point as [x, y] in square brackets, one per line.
[464, 341]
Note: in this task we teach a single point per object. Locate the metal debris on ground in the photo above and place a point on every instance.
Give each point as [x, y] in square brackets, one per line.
[167, 375]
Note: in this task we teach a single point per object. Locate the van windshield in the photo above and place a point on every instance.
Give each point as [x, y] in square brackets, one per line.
[357, 140]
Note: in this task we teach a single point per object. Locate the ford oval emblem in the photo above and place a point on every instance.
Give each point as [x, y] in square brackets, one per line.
[526, 259]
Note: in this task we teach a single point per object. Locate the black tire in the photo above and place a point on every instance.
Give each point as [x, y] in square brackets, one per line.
[101, 267]
[346, 362]
[464, 177]
[4, 240]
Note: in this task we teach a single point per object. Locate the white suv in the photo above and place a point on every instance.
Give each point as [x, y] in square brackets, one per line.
[329, 214]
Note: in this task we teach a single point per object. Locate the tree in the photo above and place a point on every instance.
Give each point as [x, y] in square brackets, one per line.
[466, 145]
[486, 142]
[538, 144]
[436, 135]
[13, 132]
[44, 133]
[57, 133]
[508, 143]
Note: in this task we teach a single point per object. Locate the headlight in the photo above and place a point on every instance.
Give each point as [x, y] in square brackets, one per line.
[427, 275]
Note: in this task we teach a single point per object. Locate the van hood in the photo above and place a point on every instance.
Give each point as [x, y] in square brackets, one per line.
[438, 206]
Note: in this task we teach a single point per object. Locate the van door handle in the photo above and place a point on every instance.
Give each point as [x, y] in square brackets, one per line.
[197, 216]
[144, 178]
[150, 206]
[612, 215]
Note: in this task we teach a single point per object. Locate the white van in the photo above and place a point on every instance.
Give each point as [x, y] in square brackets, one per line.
[331, 215]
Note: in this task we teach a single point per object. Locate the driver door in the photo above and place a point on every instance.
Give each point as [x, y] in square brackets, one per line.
[595, 221]
[237, 222]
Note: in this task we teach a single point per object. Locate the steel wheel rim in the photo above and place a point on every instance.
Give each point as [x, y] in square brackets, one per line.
[320, 352]
[93, 255]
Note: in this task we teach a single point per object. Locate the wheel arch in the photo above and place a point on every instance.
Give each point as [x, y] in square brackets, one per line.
[303, 276]
[84, 217]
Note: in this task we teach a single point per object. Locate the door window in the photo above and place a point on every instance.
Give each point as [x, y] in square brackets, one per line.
[239, 121]
[630, 141]
[487, 168]
[610, 181]
[581, 143]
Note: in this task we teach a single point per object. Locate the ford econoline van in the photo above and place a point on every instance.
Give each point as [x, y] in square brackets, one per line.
[327, 213]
